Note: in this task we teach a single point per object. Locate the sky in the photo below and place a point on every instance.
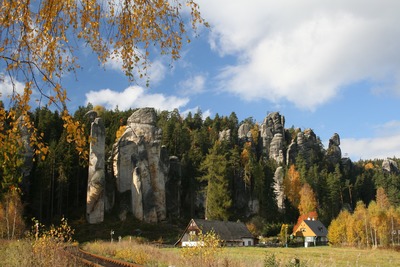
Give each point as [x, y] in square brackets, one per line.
[332, 66]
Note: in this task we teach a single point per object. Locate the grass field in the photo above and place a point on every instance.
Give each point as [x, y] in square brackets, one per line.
[257, 256]
[315, 256]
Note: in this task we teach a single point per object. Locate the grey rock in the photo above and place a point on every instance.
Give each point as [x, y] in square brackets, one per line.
[279, 188]
[273, 124]
[334, 153]
[306, 144]
[244, 130]
[96, 180]
[141, 166]
[143, 116]
[224, 135]
[390, 166]
[276, 148]
[291, 153]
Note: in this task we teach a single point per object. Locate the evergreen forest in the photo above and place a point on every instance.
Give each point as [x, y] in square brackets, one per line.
[214, 171]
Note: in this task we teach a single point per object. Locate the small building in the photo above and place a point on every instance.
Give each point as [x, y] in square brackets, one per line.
[313, 233]
[230, 233]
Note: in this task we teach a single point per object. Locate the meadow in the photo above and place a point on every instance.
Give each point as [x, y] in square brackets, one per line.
[22, 253]
[248, 256]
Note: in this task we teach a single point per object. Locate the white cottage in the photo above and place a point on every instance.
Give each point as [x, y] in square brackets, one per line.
[230, 233]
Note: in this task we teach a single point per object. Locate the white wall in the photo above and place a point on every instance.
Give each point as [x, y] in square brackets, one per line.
[248, 242]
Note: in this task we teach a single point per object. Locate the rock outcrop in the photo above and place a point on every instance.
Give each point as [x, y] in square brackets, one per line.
[96, 180]
[244, 133]
[276, 148]
[278, 188]
[141, 167]
[306, 144]
[224, 135]
[390, 166]
[273, 124]
[334, 154]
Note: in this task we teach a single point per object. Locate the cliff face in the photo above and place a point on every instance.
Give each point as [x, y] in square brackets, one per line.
[272, 135]
[334, 153]
[390, 166]
[96, 180]
[148, 180]
[285, 145]
[141, 166]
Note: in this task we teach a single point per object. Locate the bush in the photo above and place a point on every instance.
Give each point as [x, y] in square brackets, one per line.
[41, 247]
[204, 254]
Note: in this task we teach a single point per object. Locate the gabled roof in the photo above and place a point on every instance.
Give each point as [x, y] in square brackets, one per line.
[227, 231]
[317, 227]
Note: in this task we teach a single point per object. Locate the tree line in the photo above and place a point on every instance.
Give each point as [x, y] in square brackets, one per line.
[231, 178]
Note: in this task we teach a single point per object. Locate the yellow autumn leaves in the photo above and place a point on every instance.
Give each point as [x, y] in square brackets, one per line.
[39, 41]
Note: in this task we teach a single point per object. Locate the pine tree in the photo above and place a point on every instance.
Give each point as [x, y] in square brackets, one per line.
[218, 196]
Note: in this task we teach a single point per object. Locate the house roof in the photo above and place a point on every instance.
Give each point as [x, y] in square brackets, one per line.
[317, 227]
[227, 231]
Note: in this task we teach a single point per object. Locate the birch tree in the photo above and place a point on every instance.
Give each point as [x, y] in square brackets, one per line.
[40, 43]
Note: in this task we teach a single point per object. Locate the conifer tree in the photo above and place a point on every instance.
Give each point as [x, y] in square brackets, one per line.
[218, 196]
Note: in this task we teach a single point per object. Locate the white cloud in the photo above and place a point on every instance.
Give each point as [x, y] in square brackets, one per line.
[305, 51]
[371, 148]
[134, 97]
[193, 85]
[9, 86]
[384, 144]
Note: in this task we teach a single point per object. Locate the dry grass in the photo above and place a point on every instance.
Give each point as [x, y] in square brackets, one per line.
[132, 251]
[250, 256]
[27, 253]
[314, 256]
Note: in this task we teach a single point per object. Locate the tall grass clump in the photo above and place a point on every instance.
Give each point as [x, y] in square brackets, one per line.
[49, 244]
[136, 250]
[205, 252]
[42, 247]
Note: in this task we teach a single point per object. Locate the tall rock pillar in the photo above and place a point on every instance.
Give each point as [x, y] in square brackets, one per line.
[96, 180]
[141, 166]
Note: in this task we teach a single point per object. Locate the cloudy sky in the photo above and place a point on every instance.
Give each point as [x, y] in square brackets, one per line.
[332, 66]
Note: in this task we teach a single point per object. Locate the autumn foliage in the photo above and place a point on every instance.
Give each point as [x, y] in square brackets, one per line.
[372, 226]
[292, 186]
[40, 43]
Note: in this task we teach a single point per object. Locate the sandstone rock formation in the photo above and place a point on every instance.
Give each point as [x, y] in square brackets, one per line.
[224, 135]
[273, 124]
[96, 180]
[390, 166]
[244, 133]
[141, 166]
[306, 144]
[334, 154]
[278, 188]
[276, 148]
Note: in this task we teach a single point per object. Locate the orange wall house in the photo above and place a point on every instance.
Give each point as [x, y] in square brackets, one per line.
[313, 232]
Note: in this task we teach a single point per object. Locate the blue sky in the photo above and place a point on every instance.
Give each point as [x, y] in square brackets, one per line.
[332, 66]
